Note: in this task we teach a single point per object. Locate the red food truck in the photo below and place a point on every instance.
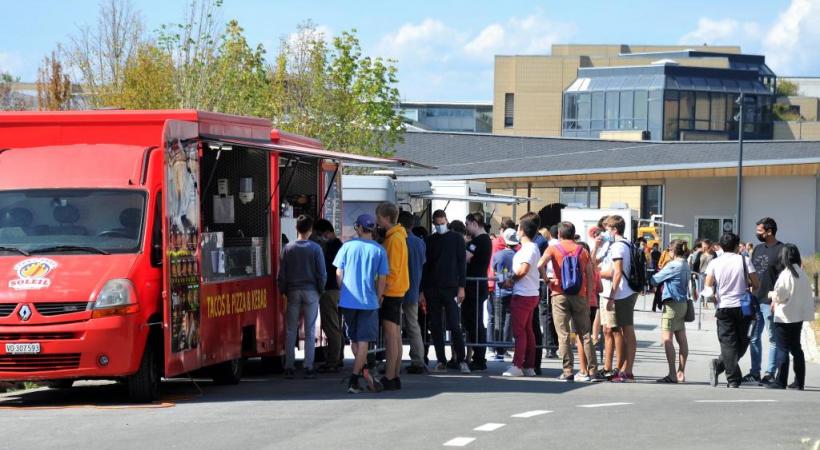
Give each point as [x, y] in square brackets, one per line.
[136, 245]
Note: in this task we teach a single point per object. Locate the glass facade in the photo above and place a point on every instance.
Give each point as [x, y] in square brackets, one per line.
[580, 197]
[448, 117]
[675, 106]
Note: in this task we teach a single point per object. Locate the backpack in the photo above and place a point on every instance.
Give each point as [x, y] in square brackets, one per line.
[571, 273]
[637, 268]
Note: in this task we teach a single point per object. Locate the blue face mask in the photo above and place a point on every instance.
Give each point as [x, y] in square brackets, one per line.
[606, 237]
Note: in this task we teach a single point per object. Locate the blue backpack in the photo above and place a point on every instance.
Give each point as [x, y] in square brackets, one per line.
[571, 273]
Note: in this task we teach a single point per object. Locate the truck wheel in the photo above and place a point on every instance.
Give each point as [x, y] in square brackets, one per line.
[60, 384]
[143, 386]
[228, 372]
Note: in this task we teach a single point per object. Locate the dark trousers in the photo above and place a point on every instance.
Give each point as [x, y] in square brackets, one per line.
[548, 336]
[424, 325]
[733, 335]
[442, 308]
[657, 302]
[787, 340]
[499, 327]
[472, 318]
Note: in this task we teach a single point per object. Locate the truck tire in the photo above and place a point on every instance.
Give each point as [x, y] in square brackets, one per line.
[60, 384]
[228, 372]
[143, 386]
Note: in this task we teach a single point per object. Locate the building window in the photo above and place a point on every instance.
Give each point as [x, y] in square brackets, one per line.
[651, 200]
[670, 116]
[580, 196]
[702, 111]
[626, 113]
[718, 112]
[583, 111]
[597, 111]
[509, 106]
[612, 110]
[640, 110]
[686, 112]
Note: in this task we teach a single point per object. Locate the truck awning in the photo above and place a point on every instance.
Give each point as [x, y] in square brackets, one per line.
[348, 158]
[476, 197]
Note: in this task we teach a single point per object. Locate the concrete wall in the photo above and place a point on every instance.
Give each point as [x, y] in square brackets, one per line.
[809, 106]
[631, 195]
[791, 201]
[807, 131]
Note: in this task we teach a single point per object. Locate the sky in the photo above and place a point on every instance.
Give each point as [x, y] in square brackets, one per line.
[444, 49]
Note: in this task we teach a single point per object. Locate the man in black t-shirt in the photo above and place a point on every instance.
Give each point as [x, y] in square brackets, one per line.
[479, 251]
[329, 301]
[764, 258]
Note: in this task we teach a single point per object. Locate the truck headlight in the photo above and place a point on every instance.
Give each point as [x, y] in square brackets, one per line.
[117, 297]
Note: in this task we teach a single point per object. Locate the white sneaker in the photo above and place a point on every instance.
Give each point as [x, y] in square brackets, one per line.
[513, 371]
[529, 372]
[464, 367]
[581, 378]
[440, 368]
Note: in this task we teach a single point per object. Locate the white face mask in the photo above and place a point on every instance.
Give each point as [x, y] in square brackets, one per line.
[719, 252]
[441, 229]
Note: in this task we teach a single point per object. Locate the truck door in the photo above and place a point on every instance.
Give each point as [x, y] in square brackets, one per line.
[181, 259]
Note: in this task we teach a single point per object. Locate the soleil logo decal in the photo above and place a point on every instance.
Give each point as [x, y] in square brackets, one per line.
[32, 274]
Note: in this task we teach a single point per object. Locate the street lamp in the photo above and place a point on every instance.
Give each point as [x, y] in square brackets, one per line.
[741, 102]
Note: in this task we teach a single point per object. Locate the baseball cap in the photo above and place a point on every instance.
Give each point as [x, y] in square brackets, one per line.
[510, 237]
[366, 221]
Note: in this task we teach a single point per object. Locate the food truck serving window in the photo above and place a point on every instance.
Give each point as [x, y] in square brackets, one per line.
[72, 220]
[236, 222]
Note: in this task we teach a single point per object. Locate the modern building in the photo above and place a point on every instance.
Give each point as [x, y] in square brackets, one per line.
[690, 183]
[530, 92]
[473, 117]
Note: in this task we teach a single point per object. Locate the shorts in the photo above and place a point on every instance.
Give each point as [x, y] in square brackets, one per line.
[625, 311]
[361, 325]
[391, 309]
[673, 316]
[607, 316]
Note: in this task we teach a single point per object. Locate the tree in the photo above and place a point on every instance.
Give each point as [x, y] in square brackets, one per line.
[53, 85]
[786, 88]
[240, 84]
[9, 99]
[147, 80]
[100, 53]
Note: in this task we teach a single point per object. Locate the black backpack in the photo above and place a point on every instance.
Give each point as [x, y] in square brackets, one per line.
[637, 268]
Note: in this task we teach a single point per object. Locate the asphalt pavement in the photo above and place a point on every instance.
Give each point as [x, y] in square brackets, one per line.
[432, 411]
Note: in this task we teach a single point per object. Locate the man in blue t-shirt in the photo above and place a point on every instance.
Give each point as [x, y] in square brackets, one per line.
[361, 269]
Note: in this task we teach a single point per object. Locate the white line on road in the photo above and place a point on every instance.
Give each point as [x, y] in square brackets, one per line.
[737, 401]
[528, 414]
[603, 405]
[458, 442]
[489, 427]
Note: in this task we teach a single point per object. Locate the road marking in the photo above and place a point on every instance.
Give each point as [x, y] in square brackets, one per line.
[603, 405]
[458, 442]
[528, 414]
[737, 401]
[489, 427]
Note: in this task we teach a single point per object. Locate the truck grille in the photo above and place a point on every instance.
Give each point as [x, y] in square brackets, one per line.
[37, 363]
[56, 309]
[7, 308]
[36, 336]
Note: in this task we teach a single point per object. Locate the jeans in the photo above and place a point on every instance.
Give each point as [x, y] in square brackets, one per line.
[307, 303]
[787, 338]
[473, 319]
[764, 319]
[522, 310]
[442, 302]
[733, 334]
[332, 327]
[499, 327]
[410, 319]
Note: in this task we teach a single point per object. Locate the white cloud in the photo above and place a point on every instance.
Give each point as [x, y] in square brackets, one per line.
[430, 40]
[720, 32]
[532, 34]
[12, 63]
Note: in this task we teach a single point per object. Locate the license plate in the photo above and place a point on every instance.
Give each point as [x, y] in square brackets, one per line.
[23, 349]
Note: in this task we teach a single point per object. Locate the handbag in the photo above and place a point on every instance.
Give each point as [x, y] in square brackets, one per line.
[749, 304]
[690, 311]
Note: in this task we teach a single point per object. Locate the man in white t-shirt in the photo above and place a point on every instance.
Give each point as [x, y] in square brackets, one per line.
[729, 276]
[620, 298]
[525, 284]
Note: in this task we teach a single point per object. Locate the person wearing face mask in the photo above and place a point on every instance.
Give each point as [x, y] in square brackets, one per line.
[479, 249]
[329, 313]
[764, 258]
[443, 281]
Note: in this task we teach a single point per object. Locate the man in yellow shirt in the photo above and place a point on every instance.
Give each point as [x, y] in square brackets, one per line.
[398, 282]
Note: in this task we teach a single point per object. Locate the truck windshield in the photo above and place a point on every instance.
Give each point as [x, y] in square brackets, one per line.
[92, 221]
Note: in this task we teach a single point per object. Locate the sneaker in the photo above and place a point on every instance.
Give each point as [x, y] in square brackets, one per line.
[582, 378]
[775, 385]
[498, 358]
[310, 374]
[478, 366]
[566, 378]
[750, 378]
[609, 375]
[795, 386]
[529, 372]
[464, 368]
[353, 385]
[629, 377]
[387, 384]
[714, 371]
[372, 384]
[414, 369]
[551, 354]
[598, 378]
[620, 378]
[452, 364]
[289, 374]
[397, 383]
[513, 371]
[733, 385]
[766, 379]
[440, 368]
